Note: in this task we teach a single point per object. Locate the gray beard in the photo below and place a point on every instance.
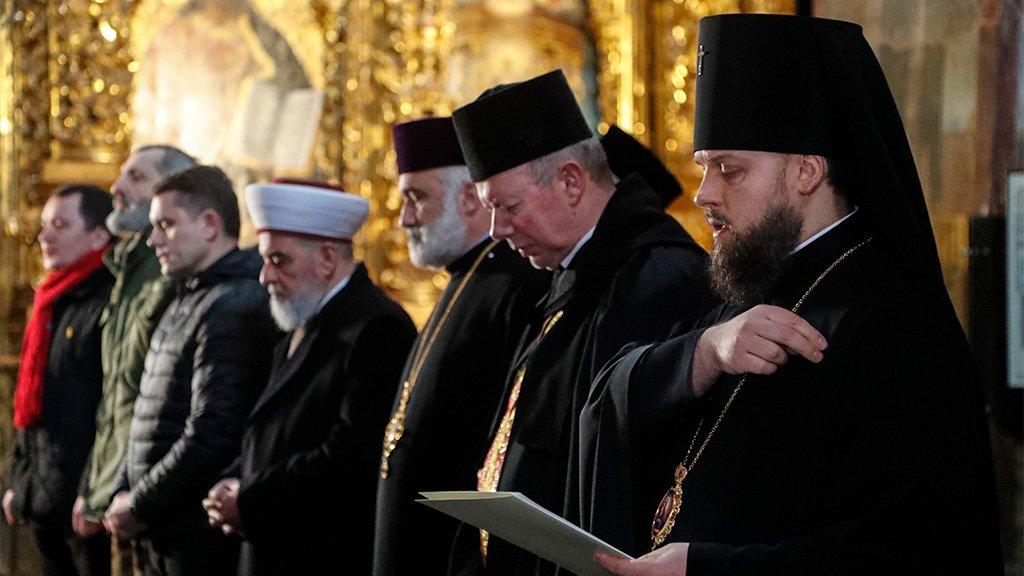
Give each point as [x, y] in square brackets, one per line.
[290, 313]
[130, 221]
[743, 271]
[440, 243]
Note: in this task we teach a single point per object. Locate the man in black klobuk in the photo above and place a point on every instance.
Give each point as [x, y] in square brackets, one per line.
[825, 419]
[455, 373]
[625, 272]
[627, 157]
[302, 492]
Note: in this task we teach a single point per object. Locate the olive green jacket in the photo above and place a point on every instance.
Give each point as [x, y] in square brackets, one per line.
[137, 302]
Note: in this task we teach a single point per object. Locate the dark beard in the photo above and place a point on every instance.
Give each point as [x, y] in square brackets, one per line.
[130, 221]
[744, 270]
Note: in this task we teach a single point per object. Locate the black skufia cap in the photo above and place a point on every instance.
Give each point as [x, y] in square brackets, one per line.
[426, 143]
[792, 84]
[512, 124]
[626, 155]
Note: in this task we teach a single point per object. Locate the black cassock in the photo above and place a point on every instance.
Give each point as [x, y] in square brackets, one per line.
[873, 461]
[312, 442]
[452, 404]
[638, 274]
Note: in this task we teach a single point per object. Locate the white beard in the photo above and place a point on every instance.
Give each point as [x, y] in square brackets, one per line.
[290, 313]
[438, 244]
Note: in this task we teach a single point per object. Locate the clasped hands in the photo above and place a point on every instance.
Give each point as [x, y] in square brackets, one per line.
[120, 520]
[221, 505]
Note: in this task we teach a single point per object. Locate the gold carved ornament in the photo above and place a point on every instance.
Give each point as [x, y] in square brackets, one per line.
[91, 70]
[396, 426]
[490, 474]
[670, 504]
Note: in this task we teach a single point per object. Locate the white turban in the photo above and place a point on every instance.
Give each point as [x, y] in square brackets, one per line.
[308, 209]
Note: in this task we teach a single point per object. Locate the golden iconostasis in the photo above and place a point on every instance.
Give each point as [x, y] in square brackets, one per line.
[268, 88]
[311, 88]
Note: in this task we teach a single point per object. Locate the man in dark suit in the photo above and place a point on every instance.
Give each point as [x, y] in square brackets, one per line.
[302, 495]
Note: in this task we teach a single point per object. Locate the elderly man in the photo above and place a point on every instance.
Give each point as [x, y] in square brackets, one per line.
[825, 419]
[207, 363]
[59, 382]
[137, 302]
[304, 491]
[456, 371]
[625, 272]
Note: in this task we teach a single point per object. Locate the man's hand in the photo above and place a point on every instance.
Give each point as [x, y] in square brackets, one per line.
[669, 560]
[119, 519]
[755, 342]
[82, 525]
[221, 506]
[8, 513]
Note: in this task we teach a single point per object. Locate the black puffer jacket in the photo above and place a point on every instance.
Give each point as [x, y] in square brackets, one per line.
[208, 361]
[49, 455]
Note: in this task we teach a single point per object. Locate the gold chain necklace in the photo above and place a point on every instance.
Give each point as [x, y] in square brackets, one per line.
[396, 426]
[672, 501]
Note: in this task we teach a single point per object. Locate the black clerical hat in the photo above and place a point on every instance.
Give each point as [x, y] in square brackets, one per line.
[793, 84]
[510, 125]
[763, 84]
[626, 155]
[426, 143]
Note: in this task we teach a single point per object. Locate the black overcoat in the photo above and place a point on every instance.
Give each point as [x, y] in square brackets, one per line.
[639, 274]
[452, 405]
[311, 444]
[873, 461]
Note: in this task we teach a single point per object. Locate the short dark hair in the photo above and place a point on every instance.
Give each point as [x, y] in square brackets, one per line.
[172, 160]
[95, 204]
[205, 188]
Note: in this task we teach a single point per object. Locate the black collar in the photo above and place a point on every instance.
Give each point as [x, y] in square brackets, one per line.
[804, 267]
[464, 262]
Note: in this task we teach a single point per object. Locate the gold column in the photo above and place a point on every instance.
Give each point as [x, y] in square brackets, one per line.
[620, 29]
[647, 54]
[24, 134]
[333, 25]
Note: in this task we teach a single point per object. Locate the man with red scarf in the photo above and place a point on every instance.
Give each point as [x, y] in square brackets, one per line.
[60, 380]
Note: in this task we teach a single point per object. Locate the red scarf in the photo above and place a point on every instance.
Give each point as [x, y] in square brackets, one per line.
[35, 347]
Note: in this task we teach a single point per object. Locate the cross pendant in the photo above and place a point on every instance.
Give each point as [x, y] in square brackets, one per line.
[700, 59]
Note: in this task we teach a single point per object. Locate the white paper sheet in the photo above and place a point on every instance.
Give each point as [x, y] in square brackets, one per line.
[520, 521]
